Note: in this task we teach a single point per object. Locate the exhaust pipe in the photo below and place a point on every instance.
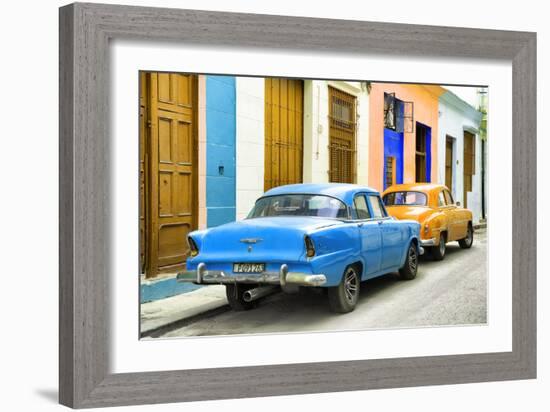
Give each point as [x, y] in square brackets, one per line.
[257, 293]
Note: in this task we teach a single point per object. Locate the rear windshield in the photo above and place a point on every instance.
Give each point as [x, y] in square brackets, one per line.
[405, 198]
[299, 205]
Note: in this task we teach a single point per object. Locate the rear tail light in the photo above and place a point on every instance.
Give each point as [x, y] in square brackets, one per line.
[310, 248]
[192, 246]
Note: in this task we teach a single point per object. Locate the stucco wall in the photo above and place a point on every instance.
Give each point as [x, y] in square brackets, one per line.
[456, 117]
[250, 141]
[220, 149]
[426, 107]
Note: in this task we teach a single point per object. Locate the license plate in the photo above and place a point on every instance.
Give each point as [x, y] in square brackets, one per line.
[248, 267]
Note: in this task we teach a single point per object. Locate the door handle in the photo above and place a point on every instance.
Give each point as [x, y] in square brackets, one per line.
[359, 224]
[380, 222]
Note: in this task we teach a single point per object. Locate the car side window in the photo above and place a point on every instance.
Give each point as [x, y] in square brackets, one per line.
[448, 197]
[377, 208]
[441, 199]
[361, 208]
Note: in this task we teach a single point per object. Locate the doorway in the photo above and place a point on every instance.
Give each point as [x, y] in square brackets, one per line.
[449, 163]
[168, 170]
[469, 163]
[423, 137]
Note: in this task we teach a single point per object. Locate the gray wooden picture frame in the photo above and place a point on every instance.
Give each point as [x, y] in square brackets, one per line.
[85, 31]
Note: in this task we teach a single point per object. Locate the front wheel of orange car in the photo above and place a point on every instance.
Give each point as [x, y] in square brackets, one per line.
[438, 252]
[343, 298]
[467, 242]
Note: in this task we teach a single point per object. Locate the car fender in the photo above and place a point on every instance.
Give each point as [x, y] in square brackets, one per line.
[437, 223]
[331, 258]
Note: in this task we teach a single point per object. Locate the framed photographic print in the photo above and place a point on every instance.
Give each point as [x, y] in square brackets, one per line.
[257, 205]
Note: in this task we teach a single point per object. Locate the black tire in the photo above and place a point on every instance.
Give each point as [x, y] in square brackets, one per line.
[409, 269]
[438, 252]
[234, 295]
[467, 242]
[343, 298]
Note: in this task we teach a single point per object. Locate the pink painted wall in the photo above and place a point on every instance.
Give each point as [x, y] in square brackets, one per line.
[426, 111]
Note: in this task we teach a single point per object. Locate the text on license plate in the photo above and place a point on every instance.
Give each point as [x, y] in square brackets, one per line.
[248, 267]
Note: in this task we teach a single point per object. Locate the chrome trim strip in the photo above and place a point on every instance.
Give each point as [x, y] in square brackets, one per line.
[427, 242]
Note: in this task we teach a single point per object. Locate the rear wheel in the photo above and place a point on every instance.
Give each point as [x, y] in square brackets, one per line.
[466, 243]
[234, 295]
[409, 269]
[343, 298]
[438, 252]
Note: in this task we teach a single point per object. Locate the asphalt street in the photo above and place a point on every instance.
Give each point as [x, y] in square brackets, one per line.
[448, 292]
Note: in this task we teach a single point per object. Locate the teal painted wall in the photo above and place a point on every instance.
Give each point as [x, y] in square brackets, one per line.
[220, 149]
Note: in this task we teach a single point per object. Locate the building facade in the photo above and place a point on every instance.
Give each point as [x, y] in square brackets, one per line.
[210, 146]
[459, 138]
[403, 132]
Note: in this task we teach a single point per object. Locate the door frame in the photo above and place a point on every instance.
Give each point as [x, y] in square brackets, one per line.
[151, 191]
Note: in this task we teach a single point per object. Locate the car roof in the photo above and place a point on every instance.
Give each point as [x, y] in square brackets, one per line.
[419, 187]
[342, 191]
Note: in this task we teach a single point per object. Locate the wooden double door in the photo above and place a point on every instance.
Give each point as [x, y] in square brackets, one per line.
[168, 170]
[284, 136]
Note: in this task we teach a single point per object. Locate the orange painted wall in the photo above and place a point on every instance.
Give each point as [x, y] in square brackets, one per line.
[426, 111]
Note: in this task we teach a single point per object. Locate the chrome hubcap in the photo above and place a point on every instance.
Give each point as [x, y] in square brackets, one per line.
[413, 259]
[350, 285]
[442, 246]
[469, 237]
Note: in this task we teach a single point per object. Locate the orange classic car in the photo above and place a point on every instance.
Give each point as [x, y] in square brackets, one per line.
[432, 205]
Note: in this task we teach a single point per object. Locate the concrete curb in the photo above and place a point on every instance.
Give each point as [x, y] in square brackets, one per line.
[161, 313]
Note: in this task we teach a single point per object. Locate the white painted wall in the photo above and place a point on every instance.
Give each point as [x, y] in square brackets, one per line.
[474, 197]
[316, 129]
[249, 142]
[452, 123]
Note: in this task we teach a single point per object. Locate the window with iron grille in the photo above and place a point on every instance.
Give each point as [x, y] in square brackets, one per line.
[343, 122]
[398, 114]
[390, 171]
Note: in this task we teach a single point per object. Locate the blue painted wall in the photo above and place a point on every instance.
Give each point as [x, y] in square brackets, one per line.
[393, 146]
[220, 150]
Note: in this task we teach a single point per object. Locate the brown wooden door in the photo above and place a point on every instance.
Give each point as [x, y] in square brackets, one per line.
[449, 163]
[284, 140]
[171, 176]
[342, 115]
[469, 163]
[143, 132]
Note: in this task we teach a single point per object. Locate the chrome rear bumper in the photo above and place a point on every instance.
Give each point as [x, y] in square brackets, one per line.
[203, 276]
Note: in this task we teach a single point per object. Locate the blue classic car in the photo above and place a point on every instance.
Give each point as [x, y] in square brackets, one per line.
[316, 235]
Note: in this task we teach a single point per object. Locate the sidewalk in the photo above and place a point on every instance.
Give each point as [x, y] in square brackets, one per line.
[162, 312]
